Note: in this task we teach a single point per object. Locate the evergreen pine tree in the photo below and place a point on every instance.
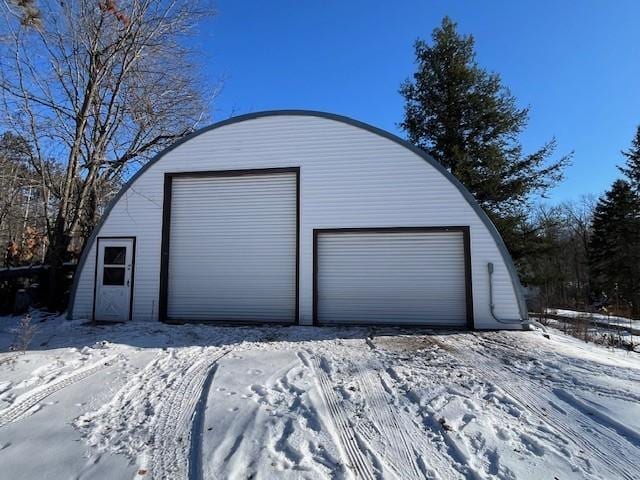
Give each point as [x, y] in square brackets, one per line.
[468, 121]
[614, 249]
[632, 167]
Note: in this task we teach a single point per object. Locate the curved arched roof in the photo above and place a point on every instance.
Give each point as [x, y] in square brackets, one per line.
[338, 118]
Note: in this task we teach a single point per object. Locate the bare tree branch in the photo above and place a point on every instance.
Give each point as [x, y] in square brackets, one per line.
[96, 88]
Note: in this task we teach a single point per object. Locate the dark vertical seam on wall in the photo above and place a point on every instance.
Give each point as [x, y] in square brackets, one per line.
[468, 277]
[133, 278]
[315, 277]
[298, 246]
[164, 249]
[95, 281]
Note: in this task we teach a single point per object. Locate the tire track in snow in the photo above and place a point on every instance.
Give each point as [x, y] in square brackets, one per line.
[597, 415]
[172, 435]
[432, 462]
[533, 398]
[197, 429]
[400, 457]
[461, 464]
[25, 402]
[558, 365]
[360, 465]
[153, 415]
[406, 449]
[392, 437]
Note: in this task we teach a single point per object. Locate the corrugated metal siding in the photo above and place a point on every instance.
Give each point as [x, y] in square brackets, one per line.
[232, 248]
[349, 177]
[391, 278]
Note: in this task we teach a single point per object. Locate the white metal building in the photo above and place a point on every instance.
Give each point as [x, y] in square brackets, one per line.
[297, 217]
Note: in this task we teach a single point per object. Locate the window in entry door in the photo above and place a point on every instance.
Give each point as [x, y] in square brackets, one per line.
[113, 272]
[115, 255]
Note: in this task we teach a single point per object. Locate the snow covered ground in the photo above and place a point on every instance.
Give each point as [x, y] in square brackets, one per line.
[157, 401]
[612, 320]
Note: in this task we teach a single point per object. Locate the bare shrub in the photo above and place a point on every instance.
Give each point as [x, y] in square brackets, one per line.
[24, 333]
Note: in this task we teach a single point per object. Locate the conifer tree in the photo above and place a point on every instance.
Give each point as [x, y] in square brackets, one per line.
[467, 120]
[614, 249]
[632, 167]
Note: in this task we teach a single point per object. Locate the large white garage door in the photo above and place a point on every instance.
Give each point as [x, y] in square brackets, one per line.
[397, 277]
[232, 248]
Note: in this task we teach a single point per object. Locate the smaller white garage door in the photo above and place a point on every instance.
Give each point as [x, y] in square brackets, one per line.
[403, 277]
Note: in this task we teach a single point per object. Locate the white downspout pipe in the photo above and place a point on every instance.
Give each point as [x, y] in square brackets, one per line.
[506, 321]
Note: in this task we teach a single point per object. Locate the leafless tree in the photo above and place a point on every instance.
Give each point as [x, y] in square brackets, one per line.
[576, 217]
[28, 11]
[97, 86]
[559, 267]
[21, 206]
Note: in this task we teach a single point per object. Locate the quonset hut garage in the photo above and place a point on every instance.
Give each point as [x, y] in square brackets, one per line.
[297, 217]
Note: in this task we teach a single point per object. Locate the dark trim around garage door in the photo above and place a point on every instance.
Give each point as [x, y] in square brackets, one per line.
[166, 230]
[467, 260]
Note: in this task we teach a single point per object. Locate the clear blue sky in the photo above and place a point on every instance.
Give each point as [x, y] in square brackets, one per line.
[575, 63]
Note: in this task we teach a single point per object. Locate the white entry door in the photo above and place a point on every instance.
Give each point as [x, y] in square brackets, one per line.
[114, 277]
